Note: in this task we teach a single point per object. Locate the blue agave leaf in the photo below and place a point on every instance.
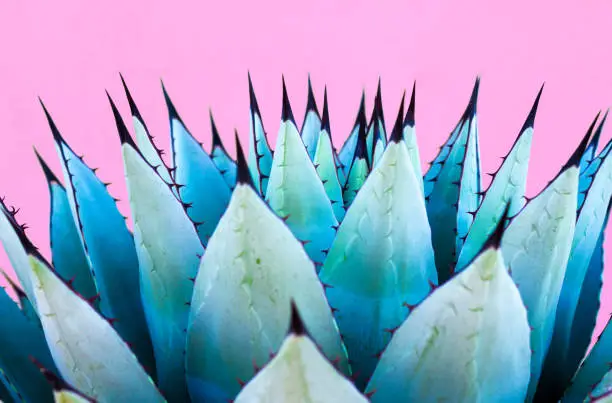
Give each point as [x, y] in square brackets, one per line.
[220, 157]
[476, 320]
[456, 192]
[62, 391]
[25, 305]
[112, 258]
[381, 262]
[410, 137]
[252, 269]
[22, 339]
[560, 364]
[69, 258]
[507, 186]
[536, 247]
[347, 152]
[358, 170]
[260, 153]
[197, 177]
[589, 166]
[146, 142]
[325, 165]
[169, 252]
[312, 124]
[89, 354]
[296, 193]
[376, 134]
[602, 392]
[299, 372]
[5, 386]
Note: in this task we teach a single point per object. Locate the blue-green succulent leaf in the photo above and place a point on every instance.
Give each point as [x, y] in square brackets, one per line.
[252, 269]
[325, 164]
[113, 258]
[456, 192]
[25, 305]
[169, 252]
[69, 258]
[467, 342]
[347, 152]
[299, 372]
[507, 186]
[312, 124]
[561, 364]
[602, 392]
[260, 152]
[591, 152]
[296, 193]
[536, 248]
[89, 354]
[381, 262]
[220, 157]
[197, 177]
[358, 170]
[376, 139]
[22, 339]
[410, 137]
[146, 142]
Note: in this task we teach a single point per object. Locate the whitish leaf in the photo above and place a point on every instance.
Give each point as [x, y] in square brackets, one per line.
[221, 158]
[467, 342]
[296, 193]
[89, 354]
[325, 164]
[299, 373]
[113, 258]
[260, 153]
[197, 177]
[381, 262]
[252, 268]
[312, 124]
[507, 187]
[67, 396]
[169, 253]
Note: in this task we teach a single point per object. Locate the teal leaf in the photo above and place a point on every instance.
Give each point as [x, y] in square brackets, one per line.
[591, 152]
[325, 165]
[347, 152]
[359, 169]
[260, 152]
[169, 252]
[89, 354]
[536, 248]
[561, 363]
[299, 372]
[252, 268]
[146, 142]
[455, 193]
[467, 342]
[312, 124]
[69, 258]
[376, 133]
[602, 392]
[112, 258]
[381, 262]
[296, 193]
[410, 137]
[507, 186]
[197, 177]
[220, 157]
[21, 339]
[590, 166]
[25, 305]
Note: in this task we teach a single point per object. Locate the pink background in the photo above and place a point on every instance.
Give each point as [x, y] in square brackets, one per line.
[69, 52]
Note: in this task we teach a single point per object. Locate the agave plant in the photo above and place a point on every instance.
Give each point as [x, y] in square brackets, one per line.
[306, 274]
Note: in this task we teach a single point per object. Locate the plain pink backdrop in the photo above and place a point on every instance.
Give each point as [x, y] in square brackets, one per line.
[69, 52]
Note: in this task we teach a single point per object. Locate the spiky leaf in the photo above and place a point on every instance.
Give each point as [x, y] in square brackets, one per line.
[312, 124]
[410, 137]
[220, 157]
[381, 261]
[467, 342]
[260, 152]
[347, 152]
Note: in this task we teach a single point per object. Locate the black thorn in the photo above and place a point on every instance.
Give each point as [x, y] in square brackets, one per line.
[495, 238]
[409, 120]
[252, 98]
[470, 111]
[325, 121]
[296, 325]
[574, 160]
[46, 169]
[124, 134]
[311, 105]
[216, 139]
[173, 114]
[133, 108]
[529, 122]
[597, 135]
[56, 134]
[397, 134]
[378, 107]
[243, 174]
[287, 113]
